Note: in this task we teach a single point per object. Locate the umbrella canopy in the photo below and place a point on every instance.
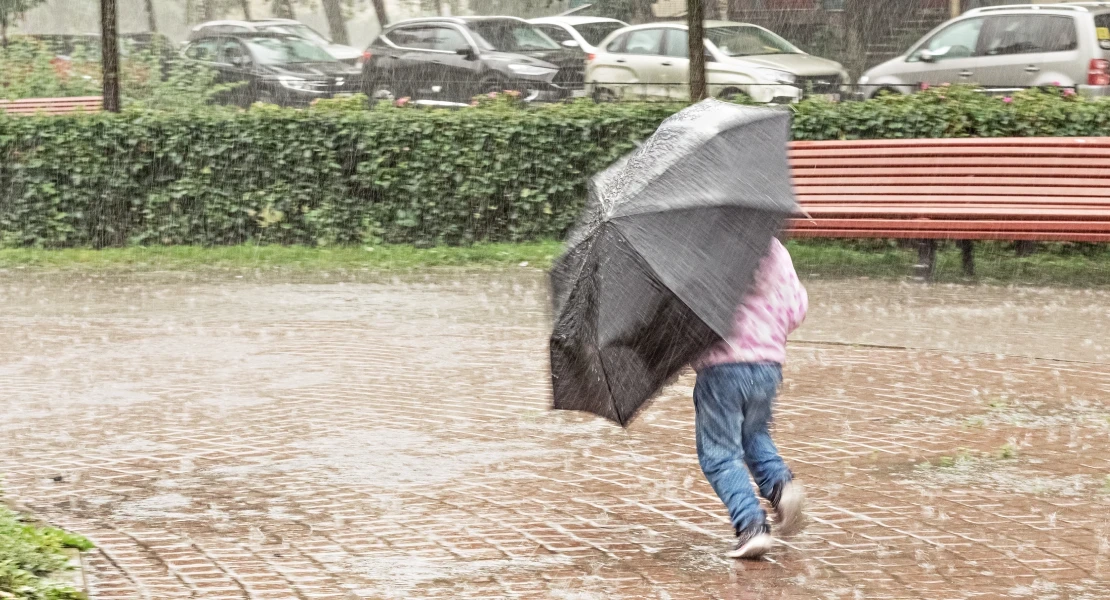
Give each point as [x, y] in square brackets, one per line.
[667, 248]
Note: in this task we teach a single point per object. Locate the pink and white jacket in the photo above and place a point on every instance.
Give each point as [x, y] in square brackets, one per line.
[774, 308]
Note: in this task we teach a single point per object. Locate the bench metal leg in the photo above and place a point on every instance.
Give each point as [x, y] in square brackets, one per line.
[926, 260]
[967, 254]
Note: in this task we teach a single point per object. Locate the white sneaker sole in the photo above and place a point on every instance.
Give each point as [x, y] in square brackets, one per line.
[789, 510]
[754, 548]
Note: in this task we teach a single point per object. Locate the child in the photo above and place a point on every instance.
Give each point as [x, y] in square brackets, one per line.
[737, 383]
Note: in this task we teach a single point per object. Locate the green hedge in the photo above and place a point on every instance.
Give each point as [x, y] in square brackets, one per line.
[340, 176]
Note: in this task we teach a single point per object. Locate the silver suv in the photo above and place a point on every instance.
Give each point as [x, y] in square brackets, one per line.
[1007, 47]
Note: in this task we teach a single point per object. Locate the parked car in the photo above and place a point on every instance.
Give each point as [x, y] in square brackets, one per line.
[276, 68]
[651, 62]
[584, 33]
[347, 54]
[454, 59]
[1007, 47]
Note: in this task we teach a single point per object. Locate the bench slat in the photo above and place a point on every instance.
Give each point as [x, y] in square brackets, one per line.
[954, 225]
[980, 162]
[954, 181]
[958, 172]
[901, 199]
[961, 212]
[976, 152]
[946, 143]
[892, 232]
[950, 190]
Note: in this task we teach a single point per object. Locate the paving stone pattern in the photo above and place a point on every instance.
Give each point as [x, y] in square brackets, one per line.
[360, 437]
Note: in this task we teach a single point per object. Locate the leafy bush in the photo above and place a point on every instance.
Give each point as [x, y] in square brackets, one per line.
[29, 555]
[341, 174]
[32, 69]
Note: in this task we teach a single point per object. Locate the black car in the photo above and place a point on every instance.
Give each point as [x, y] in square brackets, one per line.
[455, 59]
[274, 68]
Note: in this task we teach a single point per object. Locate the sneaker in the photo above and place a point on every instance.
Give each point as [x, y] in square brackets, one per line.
[788, 499]
[752, 543]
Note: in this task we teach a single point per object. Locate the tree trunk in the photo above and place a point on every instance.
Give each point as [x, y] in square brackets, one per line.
[151, 22]
[379, 9]
[696, 25]
[337, 25]
[4, 30]
[246, 6]
[109, 52]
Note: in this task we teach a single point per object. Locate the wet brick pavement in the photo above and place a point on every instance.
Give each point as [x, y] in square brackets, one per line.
[343, 438]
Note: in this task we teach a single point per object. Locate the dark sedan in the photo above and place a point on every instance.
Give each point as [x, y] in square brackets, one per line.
[455, 59]
[273, 68]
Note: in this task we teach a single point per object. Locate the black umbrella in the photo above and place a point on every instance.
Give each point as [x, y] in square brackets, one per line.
[667, 248]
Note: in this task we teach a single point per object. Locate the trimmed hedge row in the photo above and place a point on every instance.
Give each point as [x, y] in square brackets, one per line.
[340, 176]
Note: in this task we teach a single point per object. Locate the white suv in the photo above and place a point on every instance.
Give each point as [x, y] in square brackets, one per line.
[650, 62]
[1007, 47]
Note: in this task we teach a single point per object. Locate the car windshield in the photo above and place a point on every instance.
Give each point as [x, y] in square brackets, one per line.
[593, 33]
[278, 51]
[511, 36]
[748, 41]
[300, 30]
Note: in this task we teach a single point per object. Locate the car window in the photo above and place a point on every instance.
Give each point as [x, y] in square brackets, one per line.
[230, 50]
[745, 40]
[678, 43]
[286, 50]
[644, 41]
[617, 45]
[1027, 34]
[555, 32]
[1102, 30]
[412, 37]
[958, 40]
[506, 35]
[203, 50]
[447, 39]
[593, 33]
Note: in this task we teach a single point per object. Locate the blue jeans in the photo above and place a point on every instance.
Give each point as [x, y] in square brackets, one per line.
[733, 407]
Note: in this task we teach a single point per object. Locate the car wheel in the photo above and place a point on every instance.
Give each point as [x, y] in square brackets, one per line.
[736, 95]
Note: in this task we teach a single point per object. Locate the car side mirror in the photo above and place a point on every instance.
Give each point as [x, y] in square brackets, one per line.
[927, 56]
[570, 44]
[466, 52]
[240, 61]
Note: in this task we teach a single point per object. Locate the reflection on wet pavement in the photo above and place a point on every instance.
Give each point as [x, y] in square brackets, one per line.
[340, 437]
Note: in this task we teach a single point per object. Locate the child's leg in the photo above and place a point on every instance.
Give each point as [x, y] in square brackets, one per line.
[719, 398]
[760, 453]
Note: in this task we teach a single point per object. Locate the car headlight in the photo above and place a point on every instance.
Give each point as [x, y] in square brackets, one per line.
[777, 76]
[293, 83]
[530, 70]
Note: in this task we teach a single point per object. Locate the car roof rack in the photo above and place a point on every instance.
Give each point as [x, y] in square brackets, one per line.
[1035, 8]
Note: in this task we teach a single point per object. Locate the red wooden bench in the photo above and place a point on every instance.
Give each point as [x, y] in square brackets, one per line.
[52, 106]
[1022, 189]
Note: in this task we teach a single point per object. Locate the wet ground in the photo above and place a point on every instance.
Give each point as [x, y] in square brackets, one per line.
[390, 438]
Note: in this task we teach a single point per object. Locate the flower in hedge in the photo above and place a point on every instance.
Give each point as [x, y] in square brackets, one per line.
[1069, 92]
[402, 101]
[1056, 83]
[1007, 99]
[924, 86]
